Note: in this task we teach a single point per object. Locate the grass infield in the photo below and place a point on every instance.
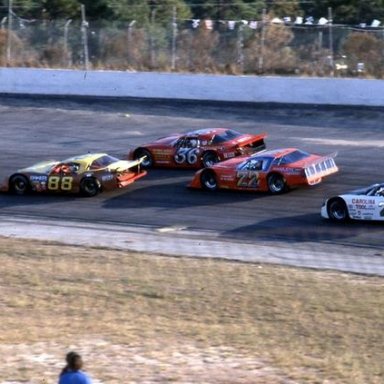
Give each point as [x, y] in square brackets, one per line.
[139, 318]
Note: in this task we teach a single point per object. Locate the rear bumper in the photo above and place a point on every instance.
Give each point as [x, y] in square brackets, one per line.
[129, 178]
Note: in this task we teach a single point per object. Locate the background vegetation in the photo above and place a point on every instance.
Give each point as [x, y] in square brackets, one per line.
[160, 35]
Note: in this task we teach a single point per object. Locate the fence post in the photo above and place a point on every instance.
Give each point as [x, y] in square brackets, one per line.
[330, 26]
[262, 42]
[84, 26]
[9, 38]
[66, 56]
[174, 36]
[240, 46]
[129, 38]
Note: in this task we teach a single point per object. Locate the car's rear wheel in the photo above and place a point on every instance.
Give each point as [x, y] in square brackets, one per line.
[208, 180]
[89, 187]
[209, 159]
[148, 159]
[276, 183]
[19, 185]
[337, 210]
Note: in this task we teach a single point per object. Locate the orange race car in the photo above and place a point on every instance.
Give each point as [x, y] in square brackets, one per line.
[275, 171]
[197, 149]
[86, 174]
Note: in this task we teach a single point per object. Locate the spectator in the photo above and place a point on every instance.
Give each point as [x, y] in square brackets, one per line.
[72, 373]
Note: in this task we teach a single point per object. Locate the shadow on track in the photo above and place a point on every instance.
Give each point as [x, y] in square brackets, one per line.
[311, 228]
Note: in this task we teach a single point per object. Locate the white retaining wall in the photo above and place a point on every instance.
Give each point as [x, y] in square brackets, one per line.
[326, 91]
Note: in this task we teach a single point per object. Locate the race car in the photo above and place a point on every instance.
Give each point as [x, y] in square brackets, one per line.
[86, 174]
[197, 149]
[361, 204]
[275, 171]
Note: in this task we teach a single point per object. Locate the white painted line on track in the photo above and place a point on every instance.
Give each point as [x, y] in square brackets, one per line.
[195, 244]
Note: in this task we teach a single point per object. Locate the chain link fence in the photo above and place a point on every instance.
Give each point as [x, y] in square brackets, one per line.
[242, 48]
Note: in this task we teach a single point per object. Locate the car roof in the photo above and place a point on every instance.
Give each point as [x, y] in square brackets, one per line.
[87, 158]
[206, 132]
[273, 153]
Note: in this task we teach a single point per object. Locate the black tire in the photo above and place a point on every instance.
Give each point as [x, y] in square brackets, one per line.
[19, 185]
[208, 180]
[337, 210]
[209, 159]
[89, 187]
[142, 152]
[276, 183]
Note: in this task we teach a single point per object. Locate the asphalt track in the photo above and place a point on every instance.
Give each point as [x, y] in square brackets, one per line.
[37, 129]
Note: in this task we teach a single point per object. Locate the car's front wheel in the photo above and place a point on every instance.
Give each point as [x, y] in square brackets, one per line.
[337, 210]
[276, 183]
[18, 184]
[89, 187]
[208, 180]
[148, 159]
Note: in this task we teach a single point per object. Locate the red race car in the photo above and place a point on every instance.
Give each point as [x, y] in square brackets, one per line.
[197, 149]
[275, 171]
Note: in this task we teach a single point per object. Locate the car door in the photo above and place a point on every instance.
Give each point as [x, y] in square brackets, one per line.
[248, 175]
[187, 150]
[61, 178]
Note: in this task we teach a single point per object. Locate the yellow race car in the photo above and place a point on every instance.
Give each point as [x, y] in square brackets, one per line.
[86, 174]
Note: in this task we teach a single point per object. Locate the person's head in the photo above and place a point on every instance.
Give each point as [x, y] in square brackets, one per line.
[74, 361]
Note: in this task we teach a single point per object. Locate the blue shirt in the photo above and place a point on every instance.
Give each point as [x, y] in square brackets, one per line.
[77, 377]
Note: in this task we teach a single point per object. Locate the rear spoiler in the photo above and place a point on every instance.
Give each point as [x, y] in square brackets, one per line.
[257, 141]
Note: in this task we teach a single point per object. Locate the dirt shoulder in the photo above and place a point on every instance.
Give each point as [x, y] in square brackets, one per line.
[140, 318]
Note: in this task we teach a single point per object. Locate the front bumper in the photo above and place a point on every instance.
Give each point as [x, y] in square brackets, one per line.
[324, 211]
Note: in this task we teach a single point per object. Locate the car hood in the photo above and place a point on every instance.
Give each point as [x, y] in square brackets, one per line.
[231, 163]
[43, 167]
[169, 140]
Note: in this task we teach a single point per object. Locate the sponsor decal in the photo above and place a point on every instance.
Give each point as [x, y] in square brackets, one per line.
[107, 177]
[291, 171]
[227, 178]
[162, 152]
[363, 201]
[229, 155]
[40, 179]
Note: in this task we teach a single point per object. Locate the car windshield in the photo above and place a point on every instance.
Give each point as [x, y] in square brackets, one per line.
[227, 135]
[292, 157]
[256, 164]
[103, 161]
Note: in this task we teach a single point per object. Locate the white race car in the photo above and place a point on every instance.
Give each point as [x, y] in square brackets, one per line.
[362, 204]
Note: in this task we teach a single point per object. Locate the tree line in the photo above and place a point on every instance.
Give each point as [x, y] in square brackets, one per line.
[161, 11]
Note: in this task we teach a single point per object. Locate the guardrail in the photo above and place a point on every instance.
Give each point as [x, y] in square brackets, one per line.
[253, 89]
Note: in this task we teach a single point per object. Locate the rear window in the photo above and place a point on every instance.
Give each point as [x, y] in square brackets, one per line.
[103, 161]
[227, 135]
[292, 157]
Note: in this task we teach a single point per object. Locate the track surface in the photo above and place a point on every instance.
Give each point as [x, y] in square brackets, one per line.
[35, 130]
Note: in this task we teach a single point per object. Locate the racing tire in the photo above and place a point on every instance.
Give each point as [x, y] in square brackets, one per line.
[208, 180]
[142, 152]
[209, 159]
[276, 184]
[19, 185]
[337, 210]
[89, 187]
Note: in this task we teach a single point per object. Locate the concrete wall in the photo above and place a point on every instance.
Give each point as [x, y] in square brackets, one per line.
[328, 91]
